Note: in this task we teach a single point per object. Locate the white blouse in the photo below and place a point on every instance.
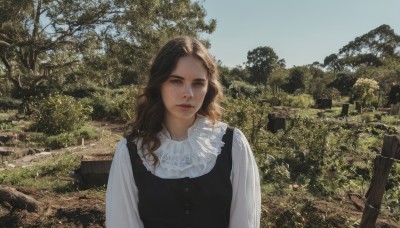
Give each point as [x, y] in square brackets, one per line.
[192, 157]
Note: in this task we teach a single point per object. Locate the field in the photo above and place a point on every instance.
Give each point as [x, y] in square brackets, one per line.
[314, 173]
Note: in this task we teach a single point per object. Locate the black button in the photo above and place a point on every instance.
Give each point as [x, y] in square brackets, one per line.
[186, 181]
[187, 212]
[187, 204]
[187, 189]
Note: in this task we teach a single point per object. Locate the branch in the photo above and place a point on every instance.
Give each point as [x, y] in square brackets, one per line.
[5, 38]
[51, 66]
[32, 54]
[6, 63]
[9, 71]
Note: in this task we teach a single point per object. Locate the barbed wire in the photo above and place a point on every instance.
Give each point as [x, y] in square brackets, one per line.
[370, 206]
[392, 159]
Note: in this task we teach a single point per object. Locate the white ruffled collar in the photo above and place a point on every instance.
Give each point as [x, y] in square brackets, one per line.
[190, 156]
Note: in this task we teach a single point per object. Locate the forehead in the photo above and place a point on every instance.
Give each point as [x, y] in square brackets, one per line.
[190, 66]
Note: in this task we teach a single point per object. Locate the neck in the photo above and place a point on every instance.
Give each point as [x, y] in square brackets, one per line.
[177, 128]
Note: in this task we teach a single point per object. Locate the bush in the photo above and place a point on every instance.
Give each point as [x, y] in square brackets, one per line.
[59, 114]
[35, 139]
[9, 103]
[114, 104]
[60, 141]
[243, 88]
[301, 101]
[87, 132]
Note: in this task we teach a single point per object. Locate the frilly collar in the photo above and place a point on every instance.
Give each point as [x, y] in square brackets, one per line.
[202, 146]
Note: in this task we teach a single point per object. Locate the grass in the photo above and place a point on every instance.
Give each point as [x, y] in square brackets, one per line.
[327, 113]
[51, 175]
[391, 120]
[7, 115]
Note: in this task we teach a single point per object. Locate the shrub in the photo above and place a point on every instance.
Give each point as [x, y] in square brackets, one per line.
[60, 141]
[34, 139]
[301, 101]
[365, 89]
[87, 132]
[59, 114]
[243, 88]
[9, 103]
[114, 104]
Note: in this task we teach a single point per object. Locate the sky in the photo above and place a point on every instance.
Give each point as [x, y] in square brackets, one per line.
[299, 31]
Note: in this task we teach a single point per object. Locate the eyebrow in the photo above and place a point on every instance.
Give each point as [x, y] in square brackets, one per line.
[182, 78]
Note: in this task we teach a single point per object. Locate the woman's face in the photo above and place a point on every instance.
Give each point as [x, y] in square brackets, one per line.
[184, 91]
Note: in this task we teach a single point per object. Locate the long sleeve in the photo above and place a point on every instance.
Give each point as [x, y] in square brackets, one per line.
[246, 198]
[122, 193]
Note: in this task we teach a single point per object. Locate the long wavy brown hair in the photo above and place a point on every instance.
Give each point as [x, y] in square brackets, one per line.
[150, 109]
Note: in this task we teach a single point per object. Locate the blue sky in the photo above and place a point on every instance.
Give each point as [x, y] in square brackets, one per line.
[300, 31]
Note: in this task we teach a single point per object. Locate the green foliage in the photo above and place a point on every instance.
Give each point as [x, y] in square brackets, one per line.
[368, 50]
[39, 139]
[240, 88]
[343, 82]
[300, 101]
[49, 175]
[109, 42]
[392, 120]
[324, 155]
[367, 117]
[60, 141]
[247, 115]
[261, 61]
[35, 139]
[87, 132]
[60, 114]
[114, 104]
[277, 79]
[298, 80]
[7, 103]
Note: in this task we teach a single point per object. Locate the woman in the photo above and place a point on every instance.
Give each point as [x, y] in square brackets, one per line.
[181, 166]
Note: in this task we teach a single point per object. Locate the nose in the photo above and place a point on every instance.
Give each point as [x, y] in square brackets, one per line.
[188, 91]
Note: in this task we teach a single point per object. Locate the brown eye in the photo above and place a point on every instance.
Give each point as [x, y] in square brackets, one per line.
[175, 81]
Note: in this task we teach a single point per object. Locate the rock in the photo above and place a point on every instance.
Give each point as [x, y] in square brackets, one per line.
[31, 151]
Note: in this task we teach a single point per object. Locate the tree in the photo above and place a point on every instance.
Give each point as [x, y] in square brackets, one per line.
[277, 79]
[261, 62]
[369, 49]
[44, 43]
[43, 40]
[365, 89]
[380, 42]
[298, 80]
[343, 82]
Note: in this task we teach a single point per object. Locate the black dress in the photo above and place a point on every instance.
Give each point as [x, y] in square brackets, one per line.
[201, 202]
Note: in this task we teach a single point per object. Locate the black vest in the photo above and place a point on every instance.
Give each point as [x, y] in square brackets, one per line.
[201, 202]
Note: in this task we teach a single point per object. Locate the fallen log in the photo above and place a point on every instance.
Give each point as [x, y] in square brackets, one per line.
[18, 200]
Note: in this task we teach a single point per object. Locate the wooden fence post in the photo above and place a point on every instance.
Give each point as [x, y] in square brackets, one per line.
[382, 164]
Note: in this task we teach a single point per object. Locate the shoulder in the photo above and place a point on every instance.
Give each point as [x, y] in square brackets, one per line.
[240, 140]
[121, 150]
[238, 135]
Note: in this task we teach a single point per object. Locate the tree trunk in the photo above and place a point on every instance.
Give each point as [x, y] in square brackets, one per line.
[18, 200]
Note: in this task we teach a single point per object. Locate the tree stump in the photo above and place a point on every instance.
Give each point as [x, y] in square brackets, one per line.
[18, 200]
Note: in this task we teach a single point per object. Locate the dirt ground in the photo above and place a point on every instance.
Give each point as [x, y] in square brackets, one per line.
[82, 208]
